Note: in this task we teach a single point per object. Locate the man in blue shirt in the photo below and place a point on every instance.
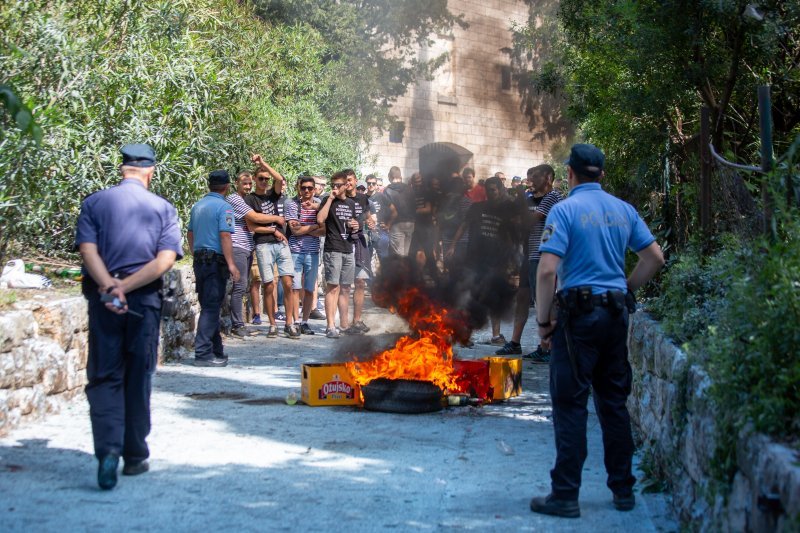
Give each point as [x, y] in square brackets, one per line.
[584, 241]
[128, 238]
[211, 224]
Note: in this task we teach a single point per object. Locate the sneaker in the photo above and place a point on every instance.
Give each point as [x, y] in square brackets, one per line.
[332, 333]
[553, 506]
[316, 314]
[510, 348]
[353, 330]
[539, 356]
[273, 331]
[280, 316]
[360, 325]
[239, 332]
[624, 503]
[500, 340]
[256, 320]
[291, 331]
[305, 329]
[217, 361]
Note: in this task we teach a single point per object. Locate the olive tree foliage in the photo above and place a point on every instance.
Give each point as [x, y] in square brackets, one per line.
[634, 75]
[206, 82]
[371, 45]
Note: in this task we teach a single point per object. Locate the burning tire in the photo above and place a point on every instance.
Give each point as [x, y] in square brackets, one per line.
[402, 396]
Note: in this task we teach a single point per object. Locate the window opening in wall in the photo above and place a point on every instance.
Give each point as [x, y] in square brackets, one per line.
[396, 132]
[505, 78]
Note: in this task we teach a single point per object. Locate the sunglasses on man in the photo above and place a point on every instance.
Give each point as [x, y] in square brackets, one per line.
[307, 188]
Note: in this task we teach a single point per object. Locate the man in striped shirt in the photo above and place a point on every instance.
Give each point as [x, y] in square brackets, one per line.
[301, 216]
[544, 197]
[540, 199]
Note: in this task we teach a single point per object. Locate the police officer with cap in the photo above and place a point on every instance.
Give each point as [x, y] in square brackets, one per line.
[210, 228]
[584, 243]
[128, 238]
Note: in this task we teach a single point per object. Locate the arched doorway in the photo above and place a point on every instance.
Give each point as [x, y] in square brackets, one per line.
[440, 160]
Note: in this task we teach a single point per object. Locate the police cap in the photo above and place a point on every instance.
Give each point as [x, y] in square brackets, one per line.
[586, 159]
[219, 177]
[361, 185]
[138, 155]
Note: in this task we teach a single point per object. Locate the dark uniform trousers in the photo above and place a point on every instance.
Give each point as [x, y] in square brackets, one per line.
[123, 353]
[601, 356]
[211, 277]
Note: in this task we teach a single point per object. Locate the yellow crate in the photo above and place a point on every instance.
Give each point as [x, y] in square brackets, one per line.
[328, 384]
[505, 375]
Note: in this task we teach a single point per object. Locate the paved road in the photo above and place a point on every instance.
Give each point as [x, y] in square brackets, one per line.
[228, 453]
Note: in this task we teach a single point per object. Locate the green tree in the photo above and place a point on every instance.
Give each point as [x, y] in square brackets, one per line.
[635, 73]
[206, 83]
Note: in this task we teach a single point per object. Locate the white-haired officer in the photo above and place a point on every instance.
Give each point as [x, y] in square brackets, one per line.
[584, 241]
[128, 238]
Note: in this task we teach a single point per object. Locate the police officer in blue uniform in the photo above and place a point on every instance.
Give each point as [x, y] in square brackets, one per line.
[583, 246]
[128, 238]
[210, 228]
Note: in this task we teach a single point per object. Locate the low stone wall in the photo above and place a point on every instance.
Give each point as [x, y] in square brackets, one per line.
[44, 347]
[675, 420]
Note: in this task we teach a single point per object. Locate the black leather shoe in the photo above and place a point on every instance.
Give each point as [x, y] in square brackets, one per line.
[624, 503]
[134, 469]
[211, 362]
[553, 506]
[107, 471]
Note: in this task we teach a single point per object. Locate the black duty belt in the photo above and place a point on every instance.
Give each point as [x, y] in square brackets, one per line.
[208, 256]
[581, 300]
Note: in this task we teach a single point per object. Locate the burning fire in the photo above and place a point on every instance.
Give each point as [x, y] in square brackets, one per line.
[427, 356]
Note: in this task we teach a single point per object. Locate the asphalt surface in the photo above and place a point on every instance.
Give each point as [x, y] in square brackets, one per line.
[227, 452]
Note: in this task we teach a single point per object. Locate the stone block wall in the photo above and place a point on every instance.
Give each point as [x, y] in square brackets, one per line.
[44, 348]
[675, 420]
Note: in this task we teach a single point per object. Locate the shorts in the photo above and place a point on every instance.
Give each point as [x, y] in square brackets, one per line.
[270, 255]
[255, 276]
[340, 268]
[362, 273]
[306, 266]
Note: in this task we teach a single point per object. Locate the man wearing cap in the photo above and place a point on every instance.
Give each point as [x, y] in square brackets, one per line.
[128, 238]
[584, 240]
[211, 224]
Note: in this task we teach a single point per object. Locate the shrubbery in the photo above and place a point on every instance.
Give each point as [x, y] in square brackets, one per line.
[738, 313]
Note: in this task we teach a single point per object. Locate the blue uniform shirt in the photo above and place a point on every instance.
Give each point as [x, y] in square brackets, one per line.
[129, 225]
[590, 232]
[209, 216]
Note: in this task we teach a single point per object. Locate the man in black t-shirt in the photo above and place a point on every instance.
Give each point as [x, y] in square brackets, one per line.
[494, 250]
[363, 272]
[338, 213]
[424, 237]
[272, 247]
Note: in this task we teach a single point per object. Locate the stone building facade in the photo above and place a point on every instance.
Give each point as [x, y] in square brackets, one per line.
[469, 114]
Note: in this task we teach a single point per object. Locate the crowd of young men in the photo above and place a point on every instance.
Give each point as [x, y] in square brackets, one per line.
[483, 232]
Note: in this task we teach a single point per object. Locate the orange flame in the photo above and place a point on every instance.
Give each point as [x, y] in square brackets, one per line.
[427, 356]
